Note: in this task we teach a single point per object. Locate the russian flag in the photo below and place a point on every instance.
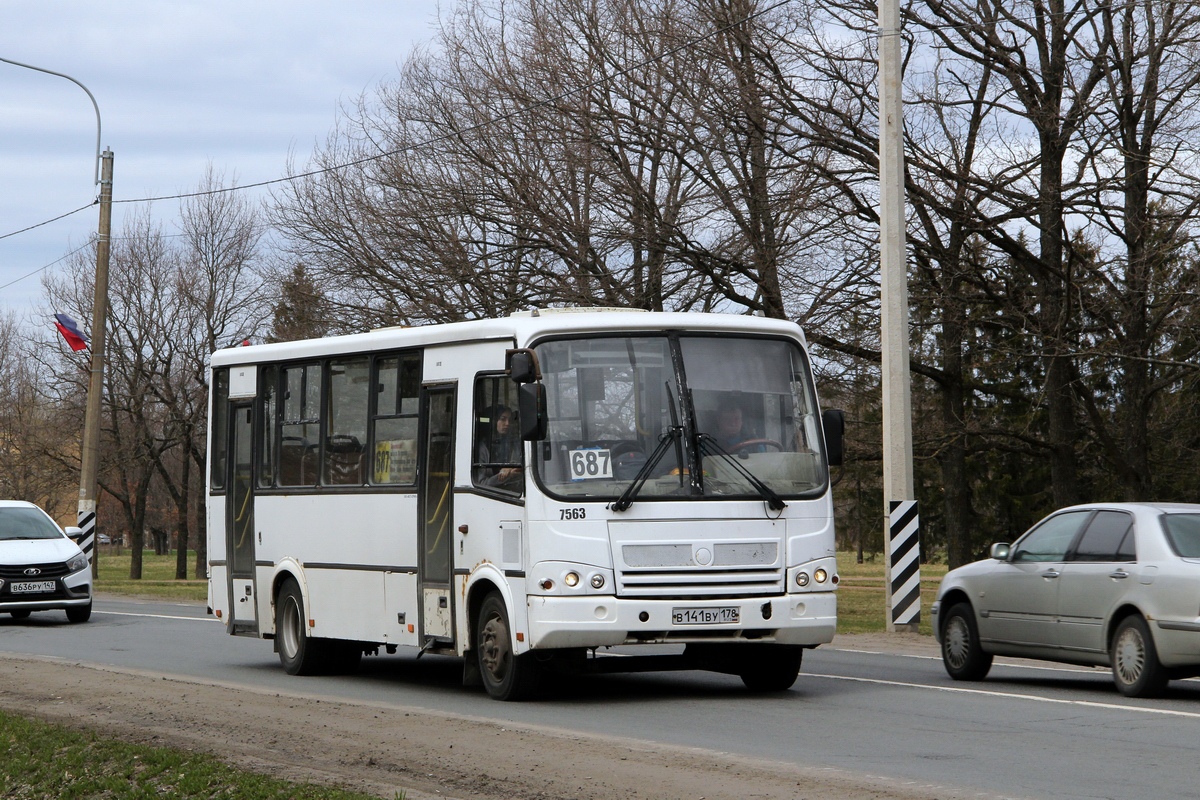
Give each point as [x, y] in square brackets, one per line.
[69, 329]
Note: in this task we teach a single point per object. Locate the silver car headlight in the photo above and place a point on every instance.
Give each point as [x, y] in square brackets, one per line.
[77, 563]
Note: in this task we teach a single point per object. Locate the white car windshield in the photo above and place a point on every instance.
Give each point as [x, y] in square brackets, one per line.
[738, 412]
[26, 523]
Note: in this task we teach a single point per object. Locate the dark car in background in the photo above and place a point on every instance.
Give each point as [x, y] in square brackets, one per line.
[1104, 584]
[41, 569]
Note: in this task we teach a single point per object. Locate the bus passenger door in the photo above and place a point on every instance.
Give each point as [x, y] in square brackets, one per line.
[435, 510]
[239, 521]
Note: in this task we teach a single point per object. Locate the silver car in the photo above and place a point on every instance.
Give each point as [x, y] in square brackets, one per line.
[1104, 584]
[41, 569]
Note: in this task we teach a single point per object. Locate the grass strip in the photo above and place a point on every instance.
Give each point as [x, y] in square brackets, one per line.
[42, 761]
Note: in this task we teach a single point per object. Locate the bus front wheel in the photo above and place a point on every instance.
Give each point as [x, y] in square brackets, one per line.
[771, 668]
[506, 675]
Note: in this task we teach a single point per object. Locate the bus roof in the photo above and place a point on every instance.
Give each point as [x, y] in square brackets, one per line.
[521, 327]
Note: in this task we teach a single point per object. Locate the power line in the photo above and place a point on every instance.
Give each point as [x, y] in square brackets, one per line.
[47, 266]
[47, 222]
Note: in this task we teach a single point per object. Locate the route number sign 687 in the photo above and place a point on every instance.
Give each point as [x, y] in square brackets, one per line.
[590, 463]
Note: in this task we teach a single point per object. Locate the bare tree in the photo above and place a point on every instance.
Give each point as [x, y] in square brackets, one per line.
[35, 432]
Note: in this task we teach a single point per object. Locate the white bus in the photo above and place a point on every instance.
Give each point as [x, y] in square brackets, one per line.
[528, 493]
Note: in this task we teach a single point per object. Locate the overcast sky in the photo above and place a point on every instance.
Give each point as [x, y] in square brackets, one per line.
[179, 84]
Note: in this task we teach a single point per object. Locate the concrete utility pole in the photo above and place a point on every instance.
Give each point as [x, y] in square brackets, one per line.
[901, 529]
[91, 420]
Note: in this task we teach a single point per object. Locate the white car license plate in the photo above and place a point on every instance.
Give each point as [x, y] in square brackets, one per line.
[705, 616]
[32, 587]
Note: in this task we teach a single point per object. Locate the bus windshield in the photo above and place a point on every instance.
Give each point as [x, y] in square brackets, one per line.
[718, 417]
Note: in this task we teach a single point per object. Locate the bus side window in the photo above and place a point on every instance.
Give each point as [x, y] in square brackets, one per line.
[268, 425]
[392, 456]
[300, 425]
[497, 452]
[220, 417]
[346, 422]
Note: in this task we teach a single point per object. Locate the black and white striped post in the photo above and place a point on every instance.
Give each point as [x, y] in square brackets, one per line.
[901, 531]
[904, 565]
[86, 520]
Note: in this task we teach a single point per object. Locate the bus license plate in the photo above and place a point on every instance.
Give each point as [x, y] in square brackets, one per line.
[705, 616]
[32, 587]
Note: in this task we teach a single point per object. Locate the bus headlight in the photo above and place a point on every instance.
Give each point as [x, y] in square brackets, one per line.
[597, 581]
[821, 576]
[802, 579]
[571, 579]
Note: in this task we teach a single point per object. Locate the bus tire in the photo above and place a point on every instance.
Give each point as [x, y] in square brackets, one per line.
[298, 653]
[506, 675]
[771, 668]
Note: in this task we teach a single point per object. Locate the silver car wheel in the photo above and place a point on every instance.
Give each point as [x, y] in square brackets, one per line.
[1130, 657]
[958, 642]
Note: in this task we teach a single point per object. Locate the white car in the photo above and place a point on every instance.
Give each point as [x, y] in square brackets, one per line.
[1103, 584]
[41, 569]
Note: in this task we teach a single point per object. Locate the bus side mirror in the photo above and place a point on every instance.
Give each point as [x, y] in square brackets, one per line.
[522, 365]
[531, 402]
[833, 421]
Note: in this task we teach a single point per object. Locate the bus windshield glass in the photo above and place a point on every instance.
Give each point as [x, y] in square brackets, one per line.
[736, 412]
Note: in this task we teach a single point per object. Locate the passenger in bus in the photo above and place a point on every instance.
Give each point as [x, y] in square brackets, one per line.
[499, 452]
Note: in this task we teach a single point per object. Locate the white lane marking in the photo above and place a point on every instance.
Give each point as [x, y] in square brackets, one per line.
[1002, 662]
[155, 616]
[1010, 695]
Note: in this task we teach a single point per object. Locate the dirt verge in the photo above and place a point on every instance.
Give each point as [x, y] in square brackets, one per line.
[385, 749]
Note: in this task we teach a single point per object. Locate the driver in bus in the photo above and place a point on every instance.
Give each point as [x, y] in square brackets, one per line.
[730, 433]
[499, 446]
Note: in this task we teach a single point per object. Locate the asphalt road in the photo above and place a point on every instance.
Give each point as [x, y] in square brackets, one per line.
[1030, 730]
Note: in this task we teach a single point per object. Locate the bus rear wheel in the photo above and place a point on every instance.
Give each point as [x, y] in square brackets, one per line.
[506, 675]
[298, 653]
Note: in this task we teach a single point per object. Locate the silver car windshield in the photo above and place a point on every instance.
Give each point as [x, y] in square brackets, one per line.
[739, 411]
[1183, 531]
[26, 523]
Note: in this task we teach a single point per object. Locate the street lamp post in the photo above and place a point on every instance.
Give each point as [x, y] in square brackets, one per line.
[90, 449]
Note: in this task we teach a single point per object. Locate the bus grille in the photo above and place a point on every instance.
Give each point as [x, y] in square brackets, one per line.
[699, 583]
[691, 569]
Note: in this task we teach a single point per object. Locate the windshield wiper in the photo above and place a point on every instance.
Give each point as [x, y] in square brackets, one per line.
[709, 444]
[673, 434]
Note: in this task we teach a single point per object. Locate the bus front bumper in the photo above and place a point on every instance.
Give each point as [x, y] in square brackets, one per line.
[806, 619]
